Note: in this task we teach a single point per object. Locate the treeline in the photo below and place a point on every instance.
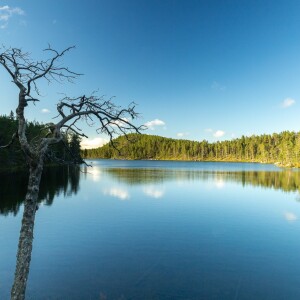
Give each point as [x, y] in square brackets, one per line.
[66, 151]
[282, 149]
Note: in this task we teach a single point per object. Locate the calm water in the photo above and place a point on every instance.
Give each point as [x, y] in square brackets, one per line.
[158, 230]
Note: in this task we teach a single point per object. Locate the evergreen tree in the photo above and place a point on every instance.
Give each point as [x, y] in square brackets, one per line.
[282, 148]
[13, 156]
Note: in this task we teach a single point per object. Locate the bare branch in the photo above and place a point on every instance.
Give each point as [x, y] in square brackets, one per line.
[25, 72]
[112, 119]
[13, 138]
[93, 110]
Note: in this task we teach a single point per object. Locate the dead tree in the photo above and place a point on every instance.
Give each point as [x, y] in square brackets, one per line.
[94, 110]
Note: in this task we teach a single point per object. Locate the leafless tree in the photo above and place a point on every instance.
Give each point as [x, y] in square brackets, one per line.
[94, 110]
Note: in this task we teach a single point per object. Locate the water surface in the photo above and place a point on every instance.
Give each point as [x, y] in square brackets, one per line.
[158, 230]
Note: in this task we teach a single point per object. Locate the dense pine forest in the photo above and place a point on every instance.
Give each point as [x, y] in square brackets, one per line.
[282, 149]
[11, 157]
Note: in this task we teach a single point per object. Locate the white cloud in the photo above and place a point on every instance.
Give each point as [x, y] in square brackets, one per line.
[17, 11]
[182, 134]
[288, 102]
[4, 17]
[119, 122]
[9, 10]
[153, 192]
[290, 217]
[152, 124]
[45, 111]
[6, 12]
[117, 192]
[4, 8]
[93, 143]
[219, 133]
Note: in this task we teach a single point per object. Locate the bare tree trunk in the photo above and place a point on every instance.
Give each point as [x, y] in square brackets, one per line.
[26, 233]
[112, 120]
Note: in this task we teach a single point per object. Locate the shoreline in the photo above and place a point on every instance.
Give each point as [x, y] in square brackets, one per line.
[277, 164]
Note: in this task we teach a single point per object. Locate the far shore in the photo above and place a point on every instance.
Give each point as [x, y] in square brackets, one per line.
[277, 164]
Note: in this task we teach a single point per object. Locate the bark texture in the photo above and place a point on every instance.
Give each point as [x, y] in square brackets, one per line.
[26, 234]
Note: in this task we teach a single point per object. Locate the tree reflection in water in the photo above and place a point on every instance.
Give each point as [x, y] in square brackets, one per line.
[65, 180]
[55, 180]
[286, 180]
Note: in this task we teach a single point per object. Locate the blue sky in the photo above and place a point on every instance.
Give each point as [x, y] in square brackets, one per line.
[199, 70]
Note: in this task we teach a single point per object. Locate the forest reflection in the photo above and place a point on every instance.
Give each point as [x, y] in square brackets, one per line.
[65, 180]
[285, 180]
[55, 181]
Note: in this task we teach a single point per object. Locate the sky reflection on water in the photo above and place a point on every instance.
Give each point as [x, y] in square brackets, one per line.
[162, 231]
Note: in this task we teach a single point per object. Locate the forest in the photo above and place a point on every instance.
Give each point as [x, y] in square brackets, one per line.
[12, 156]
[282, 149]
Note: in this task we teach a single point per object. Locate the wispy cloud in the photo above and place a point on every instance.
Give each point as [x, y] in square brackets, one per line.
[122, 194]
[45, 111]
[290, 217]
[216, 134]
[154, 123]
[219, 133]
[6, 12]
[93, 143]
[288, 102]
[119, 122]
[182, 134]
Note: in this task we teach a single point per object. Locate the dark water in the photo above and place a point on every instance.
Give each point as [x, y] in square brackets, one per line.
[158, 230]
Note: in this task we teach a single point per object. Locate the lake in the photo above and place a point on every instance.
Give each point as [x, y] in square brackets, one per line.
[157, 230]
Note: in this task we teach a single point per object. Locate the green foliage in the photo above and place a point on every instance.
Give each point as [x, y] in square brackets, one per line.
[282, 149]
[11, 156]
[74, 146]
[66, 151]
